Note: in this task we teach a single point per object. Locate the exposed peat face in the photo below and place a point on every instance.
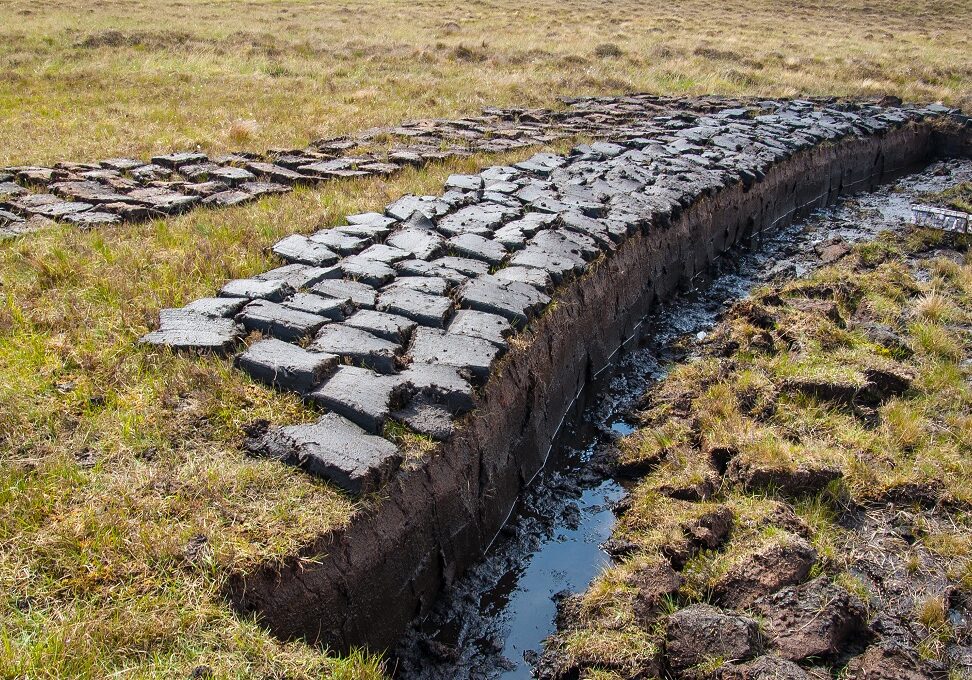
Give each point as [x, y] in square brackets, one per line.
[492, 623]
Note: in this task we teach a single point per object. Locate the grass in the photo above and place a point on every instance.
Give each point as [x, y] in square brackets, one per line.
[627, 650]
[737, 402]
[125, 500]
[957, 198]
[932, 613]
[131, 77]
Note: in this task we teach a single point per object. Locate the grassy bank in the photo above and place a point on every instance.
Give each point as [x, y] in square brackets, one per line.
[81, 80]
[821, 422]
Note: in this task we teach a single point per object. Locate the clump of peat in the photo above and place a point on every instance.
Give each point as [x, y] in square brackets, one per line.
[801, 488]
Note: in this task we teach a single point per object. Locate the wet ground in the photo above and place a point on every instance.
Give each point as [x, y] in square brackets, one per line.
[493, 622]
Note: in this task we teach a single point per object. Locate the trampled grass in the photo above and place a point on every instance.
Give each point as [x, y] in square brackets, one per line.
[82, 80]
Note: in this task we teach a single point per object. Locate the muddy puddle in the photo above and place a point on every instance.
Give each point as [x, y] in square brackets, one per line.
[492, 623]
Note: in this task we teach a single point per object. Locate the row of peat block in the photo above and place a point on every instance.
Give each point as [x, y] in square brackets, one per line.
[400, 316]
[118, 190]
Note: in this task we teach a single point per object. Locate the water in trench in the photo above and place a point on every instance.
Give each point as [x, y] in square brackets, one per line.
[492, 623]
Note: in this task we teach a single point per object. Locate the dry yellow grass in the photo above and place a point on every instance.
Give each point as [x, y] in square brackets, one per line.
[124, 497]
[81, 80]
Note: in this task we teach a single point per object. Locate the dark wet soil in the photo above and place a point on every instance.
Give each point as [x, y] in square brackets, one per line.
[493, 622]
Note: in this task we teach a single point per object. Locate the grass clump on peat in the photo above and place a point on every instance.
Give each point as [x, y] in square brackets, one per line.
[826, 419]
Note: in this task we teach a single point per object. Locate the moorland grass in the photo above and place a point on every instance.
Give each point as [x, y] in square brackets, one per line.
[82, 80]
[125, 500]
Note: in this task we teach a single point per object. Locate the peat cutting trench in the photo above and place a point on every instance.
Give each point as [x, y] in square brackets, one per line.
[493, 621]
[480, 318]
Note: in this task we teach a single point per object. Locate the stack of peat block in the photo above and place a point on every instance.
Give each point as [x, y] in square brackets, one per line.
[400, 316]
